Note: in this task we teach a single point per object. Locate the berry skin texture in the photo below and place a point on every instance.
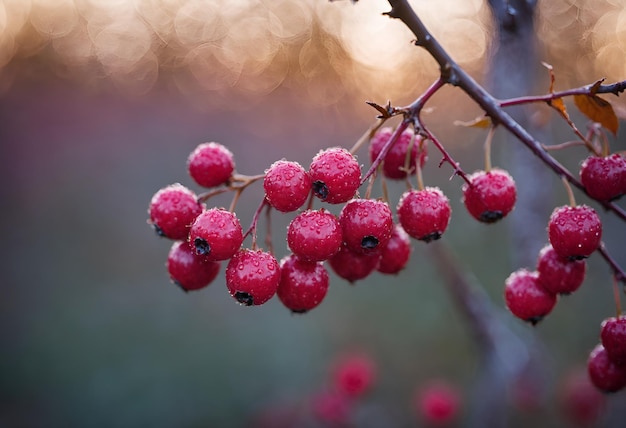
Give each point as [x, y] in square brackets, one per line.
[353, 266]
[438, 403]
[491, 196]
[187, 269]
[575, 232]
[314, 235]
[303, 285]
[336, 175]
[394, 161]
[559, 275]
[366, 225]
[252, 277]
[354, 375]
[287, 185]
[210, 164]
[604, 373]
[396, 254]
[216, 234]
[172, 210]
[613, 338]
[525, 297]
[424, 214]
[604, 178]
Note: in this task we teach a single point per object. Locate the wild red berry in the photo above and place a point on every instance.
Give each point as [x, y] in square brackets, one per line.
[559, 275]
[438, 403]
[396, 253]
[613, 337]
[216, 234]
[353, 266]
[395, 160]
[525, 297]
[604, 373]
[354, 374]
[303, 285]
[491, 196]
[424, 214]
[604, 178]
[187, 269]
[210, 164]
[172, 210]
[287, 185]
[314, 235]
[366, 225]
[580, 400]
[252, 276]
[575, 232]
[335, 174]
[331, 408]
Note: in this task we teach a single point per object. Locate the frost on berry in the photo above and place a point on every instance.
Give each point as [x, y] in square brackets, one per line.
[613, 338]
[559, 275]
[604, 373]
[396, 253]
[525, 297]
[335, 175]
[395, 160]
[604, 178]
[353, 266]
[314, 235]
[172, 210]
[366, 225]
[187, 269]
[210, 164]
[252, 276]
[491, 196]
[216, 234]
[575, 232]
[424, 214]
[354, 374]
[437, 403]
[303, 285]
[287, 185]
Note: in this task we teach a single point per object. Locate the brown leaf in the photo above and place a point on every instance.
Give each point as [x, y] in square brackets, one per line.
[483, 122]
[559, 105]
[598, 110]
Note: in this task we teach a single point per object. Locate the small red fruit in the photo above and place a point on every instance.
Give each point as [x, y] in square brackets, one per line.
[491, 196]
[424, 214]
[287, 185]
[252, 276]
[187, 269]
[525, 297]
[353, 266]
[336, 175]
[395, 160]
[613, 337]
[604, 178]
[575, 232]
[210, 164]
[366, 225]
[354, 375]
[604, 373]
[216, 234]
[438, 403]
[303, 285]
[331, 408]
[172, 210]
[395, 255]
[559, 275]
[581, 401]
[314, 235]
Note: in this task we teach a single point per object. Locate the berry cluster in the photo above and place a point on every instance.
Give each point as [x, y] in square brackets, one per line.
[607, 361]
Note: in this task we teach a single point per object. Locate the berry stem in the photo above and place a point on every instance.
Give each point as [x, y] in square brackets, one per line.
[370, 185]
[488, 141]
[564, 145]
[615, 89]
[268, 230]
[253, 225]
[394, 137]
[570, 193]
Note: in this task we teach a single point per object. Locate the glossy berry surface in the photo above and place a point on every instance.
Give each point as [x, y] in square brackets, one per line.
[575, 232]
[604, 178]
[353, 266]
[525, 297]
[424, 214]
[216, 234]
[366, 225]
[314, 235]
[613, 338]
[604, 373]
[354, 375]
[395, 159]
[210, 164]
[303, 285]
[287, 185]
[335, 174]
[187, 269]
[491, 196]
[438, 403]
[172, 210]
[559, 275]
[395, 255]
[252, 276]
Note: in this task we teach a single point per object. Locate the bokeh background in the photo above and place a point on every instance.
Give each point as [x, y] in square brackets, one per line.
[101, 101]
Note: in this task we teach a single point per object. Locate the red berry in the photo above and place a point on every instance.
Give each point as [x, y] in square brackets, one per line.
[287, 185]
[604, 178]
[354, 375]
[252, 276]
[331, 408]
[336, 175]
[396, 253]
[581, 401]
[216, 234]
[395, 160]
[187, 269]
[559, 275]
[303, 285]
[314, 235]
[172, 210]
[353, 266]
[613, 337]
[575, 232]
[438, 403]
[604, 373]
[525, 297]
[366, 225]
[210, 164]
[491, 196]
[424, 214]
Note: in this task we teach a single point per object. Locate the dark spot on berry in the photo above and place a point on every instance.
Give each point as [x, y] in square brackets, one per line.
[320, 189]
[369, 242]
[158, 230]
[299, 311]
[431, 237]
[202, 247]
[576, 258]
[491, 216]
[535, 320]
[179, 285]
[245, 299]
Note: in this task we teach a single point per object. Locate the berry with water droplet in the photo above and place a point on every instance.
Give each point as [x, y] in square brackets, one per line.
[210, 164]
[613, 337]
[424, 214]
[396, 253]
[604, 178]
[287, 185]
[314, 235]
[557, 274]
[525, 297]
[303, 285]
[575, 232]
[491, 195]
[604, 373]
[252, 276]
[353, 266]
[395, 159]
[335, 174]
[366, 225]
[216, 234]
[172, 210]
[187, 269]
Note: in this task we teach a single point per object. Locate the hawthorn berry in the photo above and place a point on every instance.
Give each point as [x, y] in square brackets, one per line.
[353, 375]
[525, 297]
[395, 160]
[366, 225]
[353, 266]
[575, 232]
[613, 338]
[216, 234]
[604, 178]
[424, 214]
[604, 373]
[287, 185]
[335, 174]
[396, 253]
[580, 400]
[187, 269]
[314, 235]
[559, 275]
[491, 195]
[210, 164]
[172, 210]
[252, 276]
[438, 403]
[303, 285]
